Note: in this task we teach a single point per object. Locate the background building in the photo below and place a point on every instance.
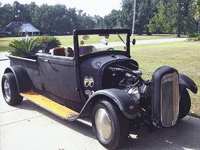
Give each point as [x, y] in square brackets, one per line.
[20, 28]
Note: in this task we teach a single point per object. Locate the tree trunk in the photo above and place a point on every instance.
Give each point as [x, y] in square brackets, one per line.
[179, 19]
[148, 33]
[179, 30]
[139, 32]
[178, 34]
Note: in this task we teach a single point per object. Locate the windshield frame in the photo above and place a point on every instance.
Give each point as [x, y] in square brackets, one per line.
[101, 31]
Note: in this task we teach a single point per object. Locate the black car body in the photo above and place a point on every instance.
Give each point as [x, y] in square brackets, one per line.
[102, 82]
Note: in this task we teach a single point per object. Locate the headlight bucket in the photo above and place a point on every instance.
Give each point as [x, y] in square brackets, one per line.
[135, 94]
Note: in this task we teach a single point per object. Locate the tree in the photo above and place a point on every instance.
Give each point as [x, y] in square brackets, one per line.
[6, 15]
[53, 19]
[84, 21]
[144, 12]
[173, 16]
[156, 23]
[196, 6]
[113, 20]
[98, 21]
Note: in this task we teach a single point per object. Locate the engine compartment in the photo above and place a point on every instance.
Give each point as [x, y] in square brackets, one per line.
[120, 74]
[125, 75]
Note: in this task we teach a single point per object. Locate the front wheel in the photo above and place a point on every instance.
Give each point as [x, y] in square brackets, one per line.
[9, 90]
[185, 104]
[110, 126]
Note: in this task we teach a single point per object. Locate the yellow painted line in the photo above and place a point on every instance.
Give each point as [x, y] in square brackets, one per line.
[49, 105]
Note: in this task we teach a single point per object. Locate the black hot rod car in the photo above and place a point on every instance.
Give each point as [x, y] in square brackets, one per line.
[96, 78]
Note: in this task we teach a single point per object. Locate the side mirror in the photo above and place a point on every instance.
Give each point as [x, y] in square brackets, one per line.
[134, 41]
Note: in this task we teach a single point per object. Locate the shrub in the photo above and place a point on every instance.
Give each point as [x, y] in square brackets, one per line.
[2, 35]
[49, 42]
[193, 35]
[25, 47]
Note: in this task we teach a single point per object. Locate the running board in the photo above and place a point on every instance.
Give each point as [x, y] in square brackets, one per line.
[51, 106]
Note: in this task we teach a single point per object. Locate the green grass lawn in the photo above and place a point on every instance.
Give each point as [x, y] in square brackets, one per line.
[183, 56]
[68, 40]
[4, 42]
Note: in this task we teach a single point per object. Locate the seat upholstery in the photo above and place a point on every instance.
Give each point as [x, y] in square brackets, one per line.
[61, 51]
[70, 52]
[86, 49]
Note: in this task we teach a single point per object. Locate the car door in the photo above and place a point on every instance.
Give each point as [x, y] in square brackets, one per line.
[60, 77]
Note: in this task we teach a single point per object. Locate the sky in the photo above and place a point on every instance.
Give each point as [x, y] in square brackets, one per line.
[91, 7]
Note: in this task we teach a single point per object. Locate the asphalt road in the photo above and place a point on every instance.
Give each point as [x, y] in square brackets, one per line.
[29, 127]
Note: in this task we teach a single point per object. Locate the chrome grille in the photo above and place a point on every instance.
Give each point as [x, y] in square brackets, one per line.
[169, 99]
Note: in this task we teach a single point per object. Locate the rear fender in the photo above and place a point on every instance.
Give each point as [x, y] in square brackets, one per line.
[186, 82]
[22, 78]
[119, 97]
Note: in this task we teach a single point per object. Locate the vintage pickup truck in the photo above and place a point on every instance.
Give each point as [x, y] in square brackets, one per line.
[94, 78]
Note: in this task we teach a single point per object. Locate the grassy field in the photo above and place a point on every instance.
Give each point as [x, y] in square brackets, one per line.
[68, 40]
[183, 56]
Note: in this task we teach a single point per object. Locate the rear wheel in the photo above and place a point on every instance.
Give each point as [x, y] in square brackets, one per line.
[185, 104]
[9, 89]
[110, 126]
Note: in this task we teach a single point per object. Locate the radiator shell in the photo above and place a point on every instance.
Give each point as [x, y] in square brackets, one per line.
[165, 96]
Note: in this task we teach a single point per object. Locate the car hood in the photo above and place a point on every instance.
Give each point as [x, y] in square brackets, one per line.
[98, 63]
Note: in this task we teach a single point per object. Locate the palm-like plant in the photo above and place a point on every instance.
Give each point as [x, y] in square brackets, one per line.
[49, 42]
[25, 47]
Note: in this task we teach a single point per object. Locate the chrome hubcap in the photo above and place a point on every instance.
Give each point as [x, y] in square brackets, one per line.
[7, 90]
[103, 124]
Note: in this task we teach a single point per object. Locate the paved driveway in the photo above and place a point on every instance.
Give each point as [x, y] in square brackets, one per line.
[3, 56]
[29, 127]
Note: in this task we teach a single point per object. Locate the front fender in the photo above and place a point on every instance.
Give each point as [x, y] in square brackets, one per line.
[186, 82]
[119, 97]
[22, 78]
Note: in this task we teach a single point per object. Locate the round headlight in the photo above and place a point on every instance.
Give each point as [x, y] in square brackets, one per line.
[135, 94]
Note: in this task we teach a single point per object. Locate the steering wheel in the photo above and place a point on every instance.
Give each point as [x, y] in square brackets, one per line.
[110, 49]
